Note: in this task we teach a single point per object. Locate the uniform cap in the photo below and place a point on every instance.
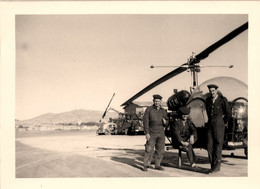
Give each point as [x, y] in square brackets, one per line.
[184, 110]
[212, 86]
[156, 96]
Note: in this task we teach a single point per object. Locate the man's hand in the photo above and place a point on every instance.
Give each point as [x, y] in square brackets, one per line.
[184, 143]
[164, 121]
[147, 137]
[192, 139]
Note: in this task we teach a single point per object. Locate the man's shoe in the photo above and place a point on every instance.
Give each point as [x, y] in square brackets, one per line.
[149, 166]
[212, 171]
[145, 169]
[159, 168]
[215, 169]
[195, 168]
[193, 165]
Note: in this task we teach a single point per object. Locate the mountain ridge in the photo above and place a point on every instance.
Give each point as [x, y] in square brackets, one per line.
[73, 116]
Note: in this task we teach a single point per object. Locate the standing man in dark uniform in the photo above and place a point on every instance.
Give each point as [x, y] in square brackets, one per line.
[155, 119]
[219, 112]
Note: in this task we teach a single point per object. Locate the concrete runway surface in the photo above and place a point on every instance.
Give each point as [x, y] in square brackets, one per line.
[84, 154]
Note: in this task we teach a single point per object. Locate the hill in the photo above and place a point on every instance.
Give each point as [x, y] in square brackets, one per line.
[74, 116]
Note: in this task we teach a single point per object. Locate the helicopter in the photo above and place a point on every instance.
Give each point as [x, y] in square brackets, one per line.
[236, 132]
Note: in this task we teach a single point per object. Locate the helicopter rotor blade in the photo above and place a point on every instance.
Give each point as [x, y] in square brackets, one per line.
[224, 66]
[204, 54]
[157, 82]
[184, 66]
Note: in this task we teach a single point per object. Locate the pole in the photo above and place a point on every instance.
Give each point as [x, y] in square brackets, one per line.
[104, 114]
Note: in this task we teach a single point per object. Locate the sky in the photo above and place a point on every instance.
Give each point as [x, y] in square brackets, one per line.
[68, 62]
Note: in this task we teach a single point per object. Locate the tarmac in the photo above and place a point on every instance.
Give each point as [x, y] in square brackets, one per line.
[87, 155]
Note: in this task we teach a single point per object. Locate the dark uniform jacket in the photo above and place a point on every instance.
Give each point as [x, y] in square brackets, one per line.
[153, 119]
[218, 108]
[183, 132]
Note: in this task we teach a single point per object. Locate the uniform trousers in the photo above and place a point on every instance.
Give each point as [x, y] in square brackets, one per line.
[216, 131]
[157, 140]
[190, 153]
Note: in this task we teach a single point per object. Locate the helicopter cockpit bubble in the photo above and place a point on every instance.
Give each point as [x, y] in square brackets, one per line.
[230, 87]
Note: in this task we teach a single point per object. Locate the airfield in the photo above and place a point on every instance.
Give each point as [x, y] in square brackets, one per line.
[83, 154]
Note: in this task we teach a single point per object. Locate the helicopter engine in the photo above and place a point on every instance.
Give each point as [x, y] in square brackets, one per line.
[177, 100]
[240, 114]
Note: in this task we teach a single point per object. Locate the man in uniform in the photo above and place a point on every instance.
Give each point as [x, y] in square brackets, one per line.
[155, 119]
[219, 112]
[185, 134]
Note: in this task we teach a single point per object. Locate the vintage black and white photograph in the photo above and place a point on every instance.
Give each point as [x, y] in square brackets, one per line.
[80, 96]
[131, 95]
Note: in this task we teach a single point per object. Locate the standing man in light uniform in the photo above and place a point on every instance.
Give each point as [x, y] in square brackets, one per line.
[155, 119]
[219, 113]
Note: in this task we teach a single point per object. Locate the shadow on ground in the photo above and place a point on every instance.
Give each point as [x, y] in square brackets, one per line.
[234, 156]
[170, 159]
